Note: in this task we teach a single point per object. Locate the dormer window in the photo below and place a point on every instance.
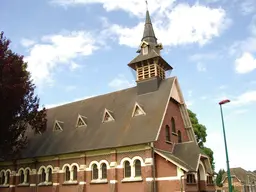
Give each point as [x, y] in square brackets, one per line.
[58, 126]
[107, 116]
[81, 121]
[145, 50]
[137, 110]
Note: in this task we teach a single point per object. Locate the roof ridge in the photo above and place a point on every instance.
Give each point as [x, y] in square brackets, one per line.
[91, 97]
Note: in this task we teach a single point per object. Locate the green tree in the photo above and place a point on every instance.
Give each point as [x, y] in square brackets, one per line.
[200, 133]
[19, 106]
[219, 177]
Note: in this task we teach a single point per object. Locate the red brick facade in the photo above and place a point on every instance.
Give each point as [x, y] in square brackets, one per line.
[172, 111]
[168, 177]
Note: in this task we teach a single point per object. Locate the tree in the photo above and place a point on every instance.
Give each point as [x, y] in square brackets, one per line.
[219, 177]
[200, 133]
[19, 106]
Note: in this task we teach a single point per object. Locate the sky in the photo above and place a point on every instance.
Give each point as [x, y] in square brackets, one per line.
[76, 49]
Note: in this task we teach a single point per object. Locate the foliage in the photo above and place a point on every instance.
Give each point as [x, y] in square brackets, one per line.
[219, 177]
[200, 133]
[19, 106]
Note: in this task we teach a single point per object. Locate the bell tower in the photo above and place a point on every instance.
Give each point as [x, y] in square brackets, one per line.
[150, 67]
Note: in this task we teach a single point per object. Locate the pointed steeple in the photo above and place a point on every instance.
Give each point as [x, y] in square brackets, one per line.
[149, 65]
[149, 34]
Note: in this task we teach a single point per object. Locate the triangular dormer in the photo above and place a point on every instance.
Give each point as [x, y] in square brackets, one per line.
[81, 121]
[107, 116]
[138, 110]
[58, 126]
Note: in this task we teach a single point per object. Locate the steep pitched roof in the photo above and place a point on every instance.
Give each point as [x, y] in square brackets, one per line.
[149, 34]
[243, 175]
[174, 159]
[124, 131]
[188, 152]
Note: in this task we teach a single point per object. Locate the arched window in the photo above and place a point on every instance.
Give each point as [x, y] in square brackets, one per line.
[173, 125]
[8, 174]
[103, 171]
[137, 168]
[49, 172]
[95, 172]
[179, 137]
[27, 176]
[2, 178]
[22, 176]
[167, 133]
[127, 169]
[67, 173]
[43, 175]
[74, 172]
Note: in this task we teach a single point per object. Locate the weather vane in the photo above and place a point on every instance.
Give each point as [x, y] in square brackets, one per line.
[146, 4]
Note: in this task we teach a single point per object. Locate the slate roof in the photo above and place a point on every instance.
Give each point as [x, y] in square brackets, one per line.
[125, 130]
[188, 152]
[241, 174]
[172, 157]
[149, 34]
[152, 54]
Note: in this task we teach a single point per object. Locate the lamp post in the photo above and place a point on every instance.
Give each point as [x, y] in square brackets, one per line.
[225, 142]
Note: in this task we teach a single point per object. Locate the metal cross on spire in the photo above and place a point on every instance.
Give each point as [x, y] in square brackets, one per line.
[146, 4]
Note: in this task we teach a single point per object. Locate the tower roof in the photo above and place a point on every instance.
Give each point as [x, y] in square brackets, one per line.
[149, 34]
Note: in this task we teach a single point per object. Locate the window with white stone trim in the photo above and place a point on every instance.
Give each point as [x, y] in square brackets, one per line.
[2, 177]
[104, 171]
[95, 172]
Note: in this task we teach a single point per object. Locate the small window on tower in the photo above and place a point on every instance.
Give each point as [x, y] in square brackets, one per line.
[145, 50]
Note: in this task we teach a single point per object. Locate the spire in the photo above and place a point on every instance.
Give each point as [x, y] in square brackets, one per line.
[149, 34]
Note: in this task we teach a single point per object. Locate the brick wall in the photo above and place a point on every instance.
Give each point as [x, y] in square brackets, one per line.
[173, 111]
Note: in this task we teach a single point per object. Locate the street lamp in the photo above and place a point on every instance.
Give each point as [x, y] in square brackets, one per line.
[225, 142]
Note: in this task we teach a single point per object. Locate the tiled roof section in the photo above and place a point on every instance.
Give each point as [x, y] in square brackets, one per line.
[172, 157]
[152, 54]
[124, 131]
[149, 34]
[243, 175]
[188, 152]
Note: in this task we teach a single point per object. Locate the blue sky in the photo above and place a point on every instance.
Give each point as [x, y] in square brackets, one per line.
[80, 48]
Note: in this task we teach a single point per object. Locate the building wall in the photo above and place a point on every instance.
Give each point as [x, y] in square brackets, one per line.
[173, 110]
[115, 177]
[168, 175]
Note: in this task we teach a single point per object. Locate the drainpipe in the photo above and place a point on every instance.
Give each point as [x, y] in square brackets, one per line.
[154, 167]
[181, 183]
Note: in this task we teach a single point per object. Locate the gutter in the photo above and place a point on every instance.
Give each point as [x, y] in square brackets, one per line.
[181, 183]
[154, 167]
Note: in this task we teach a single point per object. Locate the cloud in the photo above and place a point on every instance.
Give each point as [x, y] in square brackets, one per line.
[189, 103]
[176, 24]
[120, 82]
[27, 42]
[223, 87]
[182, 25]
[48, 106]
[246, 98]
[70, 88]
[200, 67]
[206, 56]
[245, 64]
[133, 7]
[55, 50]
[248, 7]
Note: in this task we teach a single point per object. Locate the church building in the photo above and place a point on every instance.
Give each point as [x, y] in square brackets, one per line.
[138, 139]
